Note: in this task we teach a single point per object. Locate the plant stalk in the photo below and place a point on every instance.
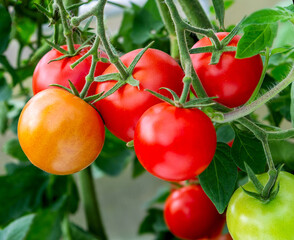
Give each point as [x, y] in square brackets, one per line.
[91, 206]
[166, 17]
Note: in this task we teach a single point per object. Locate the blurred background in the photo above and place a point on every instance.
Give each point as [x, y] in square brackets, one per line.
[123, 200]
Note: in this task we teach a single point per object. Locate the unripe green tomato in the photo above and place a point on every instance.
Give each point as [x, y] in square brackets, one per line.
[251, 219]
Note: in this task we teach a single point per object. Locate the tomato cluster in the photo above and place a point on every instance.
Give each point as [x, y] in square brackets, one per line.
[62, 134]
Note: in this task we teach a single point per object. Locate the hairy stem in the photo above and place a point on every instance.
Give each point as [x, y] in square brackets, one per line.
[67, 31]
[166, 17]
[195, 13]
[90, 202]
[247, 109]
[184, 52]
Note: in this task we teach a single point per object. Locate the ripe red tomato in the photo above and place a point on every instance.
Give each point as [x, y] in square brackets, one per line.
[173, 143]
[190, 214]
[59, 132]
[230, 143]
[59, 72]
[231, 80]
[122, 110]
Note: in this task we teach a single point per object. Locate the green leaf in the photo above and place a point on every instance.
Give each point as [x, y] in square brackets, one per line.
[268, 16]
[281, 71]
[283, 153]
[18, 229]
[13, 149]
[24, 29]
[247, 148]
[114, 156]
[63, 192]
[153, 222]
[138, 169]
[225, 133]
[21, 192]
[146, 23]
[5, 28]
[3, 117]
[45, 226]
[219, 8]
[78, 233]
[219, 179]
[255, 39]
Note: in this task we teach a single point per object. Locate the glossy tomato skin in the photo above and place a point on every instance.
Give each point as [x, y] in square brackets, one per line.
[59, 72]
[60, 133]
[174, 144]
[122, 110]
[231, 80]
[190, 214]
[248, 218]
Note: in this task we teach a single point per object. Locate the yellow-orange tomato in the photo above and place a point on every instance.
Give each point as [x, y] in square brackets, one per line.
[59, 132]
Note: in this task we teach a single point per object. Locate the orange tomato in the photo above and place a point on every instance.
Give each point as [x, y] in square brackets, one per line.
[59, 132]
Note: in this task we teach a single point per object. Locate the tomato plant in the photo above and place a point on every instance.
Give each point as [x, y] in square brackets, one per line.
[59, 72]
[59, 132]
[174, 132]
[249, 218]
[159, 137]
[190, 214]
[231, 80]
[122, 110]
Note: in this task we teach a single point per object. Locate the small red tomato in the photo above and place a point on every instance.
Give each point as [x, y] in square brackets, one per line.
[59, 132]
[190, 214]
[59, 72]
[231, 80]
[122, 110]
[173, 143]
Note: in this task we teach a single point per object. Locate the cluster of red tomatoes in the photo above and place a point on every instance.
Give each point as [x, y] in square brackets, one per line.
[62, 134]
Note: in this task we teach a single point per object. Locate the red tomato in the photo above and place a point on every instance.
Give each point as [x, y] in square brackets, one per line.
[59, 132]
[122, 110]
[231, 80]
[190, 214]
[173, 143]
[59, 72]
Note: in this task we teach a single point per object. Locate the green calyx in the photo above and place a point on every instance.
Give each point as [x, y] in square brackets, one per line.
[264, 193]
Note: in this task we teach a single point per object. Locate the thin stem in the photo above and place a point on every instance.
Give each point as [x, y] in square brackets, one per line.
[269, 158]
[166, 17]
[91, 206]
[184, 52]
[261, 135]
[256, 91]
[98, 12]
[67, 31]
[207, 32]
[245, 110]
[281, 135]
[66, 228]
[195, 13]
[187, 85]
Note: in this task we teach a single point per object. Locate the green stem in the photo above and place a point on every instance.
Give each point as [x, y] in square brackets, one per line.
[166, 17]
[187, 85]
[98, 12]
[91, 206]
[245, 110]
[195, 13]
[184, 52]
[66, 228]
[256, 91]
[281, 135]
[67, 31]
